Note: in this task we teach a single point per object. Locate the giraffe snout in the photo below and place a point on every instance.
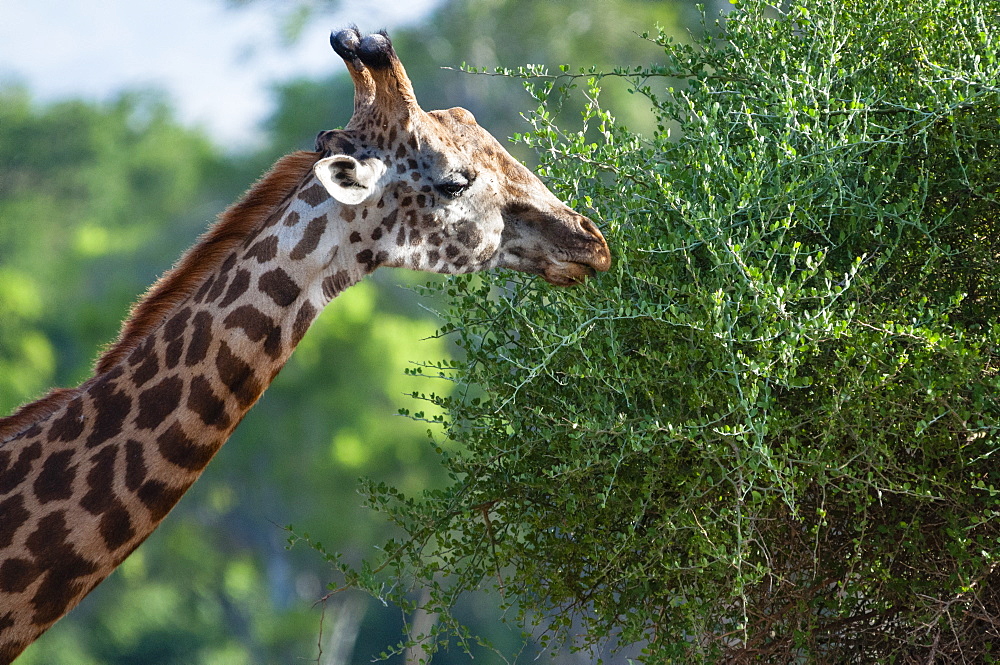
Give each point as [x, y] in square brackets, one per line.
[585, 255]
[557, 243]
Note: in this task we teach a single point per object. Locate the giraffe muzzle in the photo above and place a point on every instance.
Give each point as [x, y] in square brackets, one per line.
[594, 257]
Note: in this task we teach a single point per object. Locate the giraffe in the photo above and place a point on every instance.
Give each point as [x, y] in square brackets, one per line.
[87, 473]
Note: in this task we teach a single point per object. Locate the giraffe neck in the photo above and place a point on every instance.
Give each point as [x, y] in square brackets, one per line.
[90, 479]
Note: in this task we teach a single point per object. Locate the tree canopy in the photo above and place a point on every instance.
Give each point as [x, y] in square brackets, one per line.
[769, 433]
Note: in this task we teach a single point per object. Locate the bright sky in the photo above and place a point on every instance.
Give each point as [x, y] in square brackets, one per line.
[215, 64]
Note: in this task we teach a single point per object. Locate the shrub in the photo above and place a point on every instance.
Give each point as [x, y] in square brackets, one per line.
[768, 434]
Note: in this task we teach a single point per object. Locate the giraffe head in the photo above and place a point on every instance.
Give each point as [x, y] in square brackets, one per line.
[435, 191]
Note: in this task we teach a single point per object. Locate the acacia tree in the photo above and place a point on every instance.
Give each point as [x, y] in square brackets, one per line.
[769, 433]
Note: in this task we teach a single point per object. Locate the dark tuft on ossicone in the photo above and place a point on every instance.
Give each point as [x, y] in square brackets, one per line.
[376, 50]
[345, 43]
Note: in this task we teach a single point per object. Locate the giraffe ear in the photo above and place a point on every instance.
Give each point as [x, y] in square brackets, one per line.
[348, 180]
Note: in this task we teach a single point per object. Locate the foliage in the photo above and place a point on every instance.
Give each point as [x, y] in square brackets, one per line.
[768, 434]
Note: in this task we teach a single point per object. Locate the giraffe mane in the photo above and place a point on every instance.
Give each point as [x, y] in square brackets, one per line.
[182, 280]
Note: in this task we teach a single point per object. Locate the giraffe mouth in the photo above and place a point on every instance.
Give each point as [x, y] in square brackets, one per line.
[568, 273]
[572, 272]
[586, 264]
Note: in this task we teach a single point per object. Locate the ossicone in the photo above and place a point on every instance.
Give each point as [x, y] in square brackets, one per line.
[380, 80]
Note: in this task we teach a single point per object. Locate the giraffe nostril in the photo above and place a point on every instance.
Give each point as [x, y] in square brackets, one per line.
[602, 256]
[591, 228]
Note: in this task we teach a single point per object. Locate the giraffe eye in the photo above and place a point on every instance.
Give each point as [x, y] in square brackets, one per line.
[454, 187]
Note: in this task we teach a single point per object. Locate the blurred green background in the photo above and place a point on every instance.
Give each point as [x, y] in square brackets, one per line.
[98, 198]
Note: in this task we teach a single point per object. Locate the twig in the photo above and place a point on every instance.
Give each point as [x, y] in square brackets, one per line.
[484, 508]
